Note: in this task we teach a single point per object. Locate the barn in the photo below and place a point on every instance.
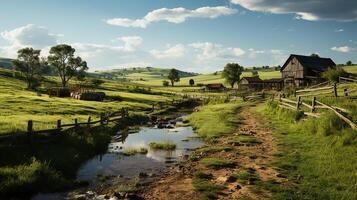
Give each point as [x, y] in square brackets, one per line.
[301, 70]
[214, 87]
[251, 83]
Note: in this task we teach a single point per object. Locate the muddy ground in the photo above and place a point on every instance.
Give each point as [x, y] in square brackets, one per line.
[250, 157]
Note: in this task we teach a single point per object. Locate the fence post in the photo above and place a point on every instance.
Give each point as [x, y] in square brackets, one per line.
[89, 119]
[30, 127]
[298, 102]
[76, 122]
[335, 89]
[313, 104]
[345, 91]
[59, 124]
[101, 118]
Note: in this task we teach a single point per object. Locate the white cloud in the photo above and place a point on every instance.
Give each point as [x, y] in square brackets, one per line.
[210, 50]
[311, 10]
[37, 37]
[339, 30]
[343, 49]
[174, 15]
[176, 51]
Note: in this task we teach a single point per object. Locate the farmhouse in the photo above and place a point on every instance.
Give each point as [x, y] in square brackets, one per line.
[304, 70]
[215, 87]
[251, 83]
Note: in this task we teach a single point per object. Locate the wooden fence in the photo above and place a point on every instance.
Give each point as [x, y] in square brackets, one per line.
[313, 108]
[105, 118]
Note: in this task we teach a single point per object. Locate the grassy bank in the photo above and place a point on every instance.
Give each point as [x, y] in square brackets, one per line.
[317, 155]
[215, 120]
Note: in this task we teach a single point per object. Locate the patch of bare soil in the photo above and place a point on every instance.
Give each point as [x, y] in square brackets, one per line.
[252, 157]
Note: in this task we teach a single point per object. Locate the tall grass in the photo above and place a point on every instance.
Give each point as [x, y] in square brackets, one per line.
[317, 155]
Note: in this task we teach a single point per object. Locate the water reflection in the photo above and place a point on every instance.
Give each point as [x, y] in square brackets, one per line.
[114, 164]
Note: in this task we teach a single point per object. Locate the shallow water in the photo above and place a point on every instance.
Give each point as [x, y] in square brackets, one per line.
[117, 168]
[114, 163]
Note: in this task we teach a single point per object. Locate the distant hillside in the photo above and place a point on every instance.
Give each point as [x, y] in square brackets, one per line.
[6, 63]
[140, 73]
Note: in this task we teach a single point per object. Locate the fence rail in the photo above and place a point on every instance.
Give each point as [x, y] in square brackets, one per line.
[315, 105]
[105, 118]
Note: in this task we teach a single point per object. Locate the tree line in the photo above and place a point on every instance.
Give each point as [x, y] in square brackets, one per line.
[61, 59]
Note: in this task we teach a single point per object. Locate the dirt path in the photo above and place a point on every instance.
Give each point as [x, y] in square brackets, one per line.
[251, 147]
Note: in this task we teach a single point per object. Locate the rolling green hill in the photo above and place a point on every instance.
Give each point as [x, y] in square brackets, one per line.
[140, 73]
[6, 63]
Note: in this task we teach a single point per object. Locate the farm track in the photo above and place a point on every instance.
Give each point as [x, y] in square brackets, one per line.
[254, 158]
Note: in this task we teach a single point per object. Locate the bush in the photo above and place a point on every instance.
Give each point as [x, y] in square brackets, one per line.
[333, 74]
[165, 83]
[162, 145]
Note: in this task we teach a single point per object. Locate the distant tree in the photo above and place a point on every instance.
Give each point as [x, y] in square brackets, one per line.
[67, 65]
[315, 55]
[349, 63]
[215, 73]
[192, 82]
[96, 82]
[255, 73]
[232, 72]
[173, 76]
[333, 74]
[165, 83]
[29, 64]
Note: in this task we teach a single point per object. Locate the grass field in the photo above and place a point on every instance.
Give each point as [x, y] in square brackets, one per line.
[316, 154]
[18, 105]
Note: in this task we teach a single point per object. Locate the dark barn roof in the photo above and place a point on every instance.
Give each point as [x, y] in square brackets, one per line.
[312, 63]
[253, 79]
[215, 85]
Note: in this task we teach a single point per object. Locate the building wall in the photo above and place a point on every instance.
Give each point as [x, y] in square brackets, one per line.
[293, 69]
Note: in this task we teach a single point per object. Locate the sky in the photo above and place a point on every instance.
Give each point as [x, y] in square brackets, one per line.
[191, 35]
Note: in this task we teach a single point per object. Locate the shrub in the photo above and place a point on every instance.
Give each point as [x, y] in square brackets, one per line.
[165, 83]
[163, 145]
[217, 163]
[333, 74]
[133, 151]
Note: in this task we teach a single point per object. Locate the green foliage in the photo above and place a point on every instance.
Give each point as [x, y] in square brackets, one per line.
[324, 167]
[166, 145]
[165, 83]
[68, 66]
[217, 163]
[333, 74]
[202, 175]
[348, 63]
[232, 72]
[245, 139]
[192, 82]
[209, 190]
[215, 120]
[133, 151]
[173, 76]
[213, 149]
[96, 82]
[28, 63]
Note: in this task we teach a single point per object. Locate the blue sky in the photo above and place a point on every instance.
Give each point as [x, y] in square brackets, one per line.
[200, 36]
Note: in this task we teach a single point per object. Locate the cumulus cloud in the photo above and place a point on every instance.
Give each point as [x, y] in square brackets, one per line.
[30, 35]
[210, 50]
[174, 15]
[176, 51]
[343, 49]
[311, 10]
[339, 30]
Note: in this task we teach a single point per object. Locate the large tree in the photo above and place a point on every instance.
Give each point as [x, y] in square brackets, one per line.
[29, 64]
[173, 76]
[192, 82]
[232, 72]
[67, 65]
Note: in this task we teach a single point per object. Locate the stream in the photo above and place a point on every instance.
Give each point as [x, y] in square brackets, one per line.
[114, 168]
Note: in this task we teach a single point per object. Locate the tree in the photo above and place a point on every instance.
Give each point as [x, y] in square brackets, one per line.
[232, 72]
[315, 55]
[255, 73]
[349, 63]
[67, 65]
[333, 74]
[165, 83]
[173, 76]
[29, 64]
[192, 82]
